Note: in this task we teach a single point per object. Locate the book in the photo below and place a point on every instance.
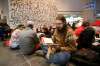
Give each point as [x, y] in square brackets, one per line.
[47, 41]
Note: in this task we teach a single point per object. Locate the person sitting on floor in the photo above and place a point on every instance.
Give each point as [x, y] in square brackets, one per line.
[85, 55]
[15, 37]
[27, 40]
[81, 28]
[61, 53]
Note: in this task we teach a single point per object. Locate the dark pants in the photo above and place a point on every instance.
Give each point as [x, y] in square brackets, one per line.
[2, 37]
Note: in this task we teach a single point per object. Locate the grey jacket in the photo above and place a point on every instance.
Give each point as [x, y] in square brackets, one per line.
[26, 40]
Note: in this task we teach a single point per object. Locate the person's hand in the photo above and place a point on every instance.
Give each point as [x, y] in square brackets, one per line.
[49, 50]
[65, 49]
[53, 49]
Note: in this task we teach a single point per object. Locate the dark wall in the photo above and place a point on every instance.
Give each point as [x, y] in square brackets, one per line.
[98, 6]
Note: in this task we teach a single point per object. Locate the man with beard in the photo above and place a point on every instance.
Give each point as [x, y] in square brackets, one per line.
[60, 54]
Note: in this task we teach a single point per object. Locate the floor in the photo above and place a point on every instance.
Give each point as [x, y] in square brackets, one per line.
[12, 58]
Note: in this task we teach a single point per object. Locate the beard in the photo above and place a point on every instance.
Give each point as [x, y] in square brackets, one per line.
[61, 29]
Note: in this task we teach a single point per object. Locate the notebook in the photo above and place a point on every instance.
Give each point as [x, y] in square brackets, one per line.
[48, 41]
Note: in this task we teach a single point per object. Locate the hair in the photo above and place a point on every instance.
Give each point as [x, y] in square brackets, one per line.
[63, 20]
[30, 26]
[85, 24]
[45, 29]
[20, 26]
[61, 17]
[86, 38]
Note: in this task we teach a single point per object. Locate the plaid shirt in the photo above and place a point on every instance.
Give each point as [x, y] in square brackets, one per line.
[67, 40]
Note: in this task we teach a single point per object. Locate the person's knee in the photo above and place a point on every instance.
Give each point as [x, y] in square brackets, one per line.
[65, 54]
[68, 55]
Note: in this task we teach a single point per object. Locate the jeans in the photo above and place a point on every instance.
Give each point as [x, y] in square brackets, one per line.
[60, 58]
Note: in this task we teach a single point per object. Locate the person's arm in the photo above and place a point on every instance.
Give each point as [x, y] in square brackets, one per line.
[50, 52]
[69, 48]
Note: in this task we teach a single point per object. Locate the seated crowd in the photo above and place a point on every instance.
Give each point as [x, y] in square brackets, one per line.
[71, 46]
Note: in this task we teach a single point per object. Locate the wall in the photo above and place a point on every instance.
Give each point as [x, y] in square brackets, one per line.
[0, 4]
[4, 8]
[98, 8]
[98, 5]
[45, 14]
[38, 11]
[88, 12]
[69, 6]
[1, 7]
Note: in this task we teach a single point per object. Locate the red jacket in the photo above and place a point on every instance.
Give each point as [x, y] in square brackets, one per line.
[79, 30]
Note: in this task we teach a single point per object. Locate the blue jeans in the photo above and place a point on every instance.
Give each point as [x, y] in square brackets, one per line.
[60, 58]
[14, 44]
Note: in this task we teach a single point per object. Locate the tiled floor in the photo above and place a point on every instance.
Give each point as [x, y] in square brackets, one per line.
[11, 58]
